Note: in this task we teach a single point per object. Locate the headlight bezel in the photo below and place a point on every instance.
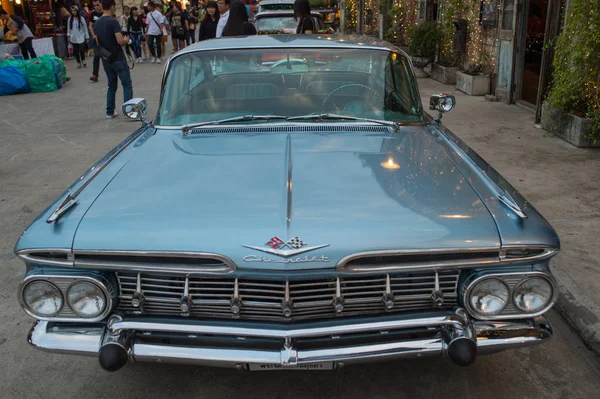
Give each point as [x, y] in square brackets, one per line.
[63, 282]
[512, 281]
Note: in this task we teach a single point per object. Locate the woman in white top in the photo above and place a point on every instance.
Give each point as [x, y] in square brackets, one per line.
[77, 34]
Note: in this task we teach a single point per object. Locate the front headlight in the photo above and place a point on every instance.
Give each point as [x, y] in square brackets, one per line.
[489, 296]
[86, 299]
[43, 298]
[532, 295]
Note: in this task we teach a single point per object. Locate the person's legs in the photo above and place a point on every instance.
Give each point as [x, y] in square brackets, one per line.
[29, 41]
[174, 40]
[111, 75]
[96, 65]
[193, 36]
[135, 43]
[122, 70]
[151, 39]
[76, 51]
[181, 44]
[23, 47]
[163, 47]
[82, 53]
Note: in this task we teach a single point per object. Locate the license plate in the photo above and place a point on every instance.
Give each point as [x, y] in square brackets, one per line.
[306, 366]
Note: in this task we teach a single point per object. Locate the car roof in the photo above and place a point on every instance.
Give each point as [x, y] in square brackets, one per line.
[290, 41]
[271, 2]
[285, 13]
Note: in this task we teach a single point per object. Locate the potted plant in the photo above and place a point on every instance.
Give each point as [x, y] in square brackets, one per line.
[444, 71]
[472, 81]
[424, 40]
[572, 108]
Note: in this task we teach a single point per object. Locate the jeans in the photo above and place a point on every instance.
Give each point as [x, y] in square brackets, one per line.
[154, 42]
[117, 69]
[190, 37]
[96, 65]
[136, 44]
[79, 51]
[27, 48]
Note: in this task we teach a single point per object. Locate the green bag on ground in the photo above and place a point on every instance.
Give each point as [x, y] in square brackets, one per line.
[20, 64]
[40, 75]
[61, 62]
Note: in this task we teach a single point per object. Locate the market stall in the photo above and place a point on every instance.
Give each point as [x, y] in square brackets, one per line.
[42, 19]
[41, 46]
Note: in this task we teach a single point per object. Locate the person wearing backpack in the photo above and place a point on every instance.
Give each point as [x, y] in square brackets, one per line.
[154, 19]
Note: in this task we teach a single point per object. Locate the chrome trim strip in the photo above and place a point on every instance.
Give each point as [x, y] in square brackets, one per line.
[470, 283]
[288, 182]
[71, 198]
[28, 255]
[457, 320]
[441, 265]
[100, 281]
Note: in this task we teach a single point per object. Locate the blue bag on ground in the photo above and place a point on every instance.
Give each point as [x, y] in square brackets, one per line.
[59, 69]
[12, 81]
[40, 75]
[14, 63]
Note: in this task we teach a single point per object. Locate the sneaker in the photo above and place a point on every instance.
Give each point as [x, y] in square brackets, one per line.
[158, 60]
[153, 60]
[141, 60]
[94, 78]
[163, 59]
[79, 66]
[84, 65]
[112, 116]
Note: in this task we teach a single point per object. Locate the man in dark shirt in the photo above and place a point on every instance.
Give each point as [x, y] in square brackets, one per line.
[109, 36]
[94, 17]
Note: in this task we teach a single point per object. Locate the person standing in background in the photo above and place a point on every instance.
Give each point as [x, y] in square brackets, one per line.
[191, 37]
[237, 23]
[136, 30]
[77, 34]
[109, 36]
[302, 15]
[224, 16]
[208, 27]
[94, 17]
[154, 19]
[165, 36]
[24, 35]
[179, 27]
[124, 29]
[144, 11]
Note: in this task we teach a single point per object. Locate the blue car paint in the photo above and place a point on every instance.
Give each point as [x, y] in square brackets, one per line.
[216, 193]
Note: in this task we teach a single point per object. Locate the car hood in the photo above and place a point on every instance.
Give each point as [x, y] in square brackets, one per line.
[343, 192]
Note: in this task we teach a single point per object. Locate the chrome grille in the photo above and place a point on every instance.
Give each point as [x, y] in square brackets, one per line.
[266, 299]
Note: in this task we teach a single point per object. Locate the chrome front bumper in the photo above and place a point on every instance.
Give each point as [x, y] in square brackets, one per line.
[233, 344]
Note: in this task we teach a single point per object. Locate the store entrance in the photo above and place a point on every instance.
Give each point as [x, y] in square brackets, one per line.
[533, 51]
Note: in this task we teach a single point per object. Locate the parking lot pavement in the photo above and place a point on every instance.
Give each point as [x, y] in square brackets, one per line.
[47, 140]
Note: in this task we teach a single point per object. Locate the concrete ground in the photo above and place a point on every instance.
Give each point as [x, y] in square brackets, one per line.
[48, 139]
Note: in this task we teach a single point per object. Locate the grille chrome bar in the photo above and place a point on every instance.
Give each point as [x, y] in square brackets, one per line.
[286, 300]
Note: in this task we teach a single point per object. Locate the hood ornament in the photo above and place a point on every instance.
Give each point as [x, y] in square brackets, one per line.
[294, 246]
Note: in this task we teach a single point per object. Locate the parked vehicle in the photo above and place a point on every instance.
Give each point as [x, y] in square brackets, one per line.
[275, 5]
[283, 22]
[290, 205]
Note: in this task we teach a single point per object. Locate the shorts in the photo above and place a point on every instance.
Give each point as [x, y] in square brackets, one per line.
[175, 36]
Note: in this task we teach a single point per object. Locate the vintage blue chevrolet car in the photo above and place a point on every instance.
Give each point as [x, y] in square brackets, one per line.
[291, 205]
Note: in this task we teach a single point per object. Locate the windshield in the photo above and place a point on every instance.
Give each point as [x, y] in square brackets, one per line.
[205, 86]
[279, 23]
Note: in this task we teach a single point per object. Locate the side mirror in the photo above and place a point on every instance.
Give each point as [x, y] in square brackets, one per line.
[442, 103]
[135, 109]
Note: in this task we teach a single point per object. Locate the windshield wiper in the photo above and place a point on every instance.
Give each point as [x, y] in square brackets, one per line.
[186, 128]
[322, 117]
